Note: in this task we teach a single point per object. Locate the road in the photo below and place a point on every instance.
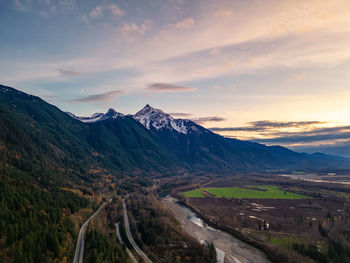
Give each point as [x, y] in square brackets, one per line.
[128, 234]
[235, 251]
[79, 249]
[133, 259]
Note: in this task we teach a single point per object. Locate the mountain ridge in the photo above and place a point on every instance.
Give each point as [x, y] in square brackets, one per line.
[150, 141]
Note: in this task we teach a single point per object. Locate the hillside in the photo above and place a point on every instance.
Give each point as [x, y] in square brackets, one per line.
[150, 141]
[52, 164]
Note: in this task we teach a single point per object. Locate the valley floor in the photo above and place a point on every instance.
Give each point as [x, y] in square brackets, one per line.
[235, 250]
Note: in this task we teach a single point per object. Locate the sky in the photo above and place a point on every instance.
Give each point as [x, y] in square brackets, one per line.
[270, 71]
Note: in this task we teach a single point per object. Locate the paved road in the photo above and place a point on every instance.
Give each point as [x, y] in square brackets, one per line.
[79, 249]
[128, 234]
[133, 259]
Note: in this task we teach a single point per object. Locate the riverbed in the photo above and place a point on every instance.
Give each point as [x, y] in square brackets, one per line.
[229, 249]
[318, 179]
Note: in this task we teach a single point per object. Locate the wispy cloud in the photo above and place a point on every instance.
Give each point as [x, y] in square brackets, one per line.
[100, 10]
[97, 12]
[184, 24]
[67, 4]
[224, 13]
[314, 135]
[51, 6]
[201, 120]
[66, 72]
[84, 18]
[181, 114]
[282, 124]
[296, 77]
[129, 30]
[167, 87]
[242, 44]
[22, 5]
[309, 136]
[102, 97]
[265, 125]
[115, 10]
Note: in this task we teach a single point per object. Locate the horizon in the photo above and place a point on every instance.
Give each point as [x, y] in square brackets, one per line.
[274, 73]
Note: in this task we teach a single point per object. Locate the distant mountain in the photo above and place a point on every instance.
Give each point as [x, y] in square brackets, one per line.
[111, 114]
[38, 131]
[45, 153]
[150, 141]
[199, 148]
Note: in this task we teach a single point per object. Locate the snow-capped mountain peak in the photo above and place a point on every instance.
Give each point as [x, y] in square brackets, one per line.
[151, 118]
[111, 114]
[157, 119]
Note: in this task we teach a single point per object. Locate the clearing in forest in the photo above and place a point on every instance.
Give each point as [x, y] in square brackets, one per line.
[256, 192]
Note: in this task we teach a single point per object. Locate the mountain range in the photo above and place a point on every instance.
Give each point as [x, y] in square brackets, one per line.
[150, 141]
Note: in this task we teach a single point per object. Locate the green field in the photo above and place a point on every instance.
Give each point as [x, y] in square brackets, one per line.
[272, 192]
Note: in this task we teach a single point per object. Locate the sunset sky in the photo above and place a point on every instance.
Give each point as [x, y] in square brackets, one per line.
[275, 72]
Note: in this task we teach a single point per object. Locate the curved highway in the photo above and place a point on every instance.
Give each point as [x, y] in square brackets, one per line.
[79, 249]
[128, 234]
[133, 259]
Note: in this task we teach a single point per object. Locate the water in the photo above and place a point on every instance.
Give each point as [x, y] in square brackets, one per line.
[193, 217]
[228, 248]
[313, 178]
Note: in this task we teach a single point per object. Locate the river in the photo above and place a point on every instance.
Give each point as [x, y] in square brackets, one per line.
[316, 178]
[228, 248]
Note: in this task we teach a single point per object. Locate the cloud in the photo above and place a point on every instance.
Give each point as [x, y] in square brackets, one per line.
[228, 129]
[308, 136]
[84, 19]
[216, 87]
[224, 13]
[296, 77]
[166, 87]
[100, 97]
[128, 29]
[51, 6]
[282, 124]
[67, 4]
[115, 10]
[180, 114]
[97, 12]
[315, 135]
[201, 120]
[258, 126]
[69, 72]
[184, 24]
[295, 34]
[22, 5]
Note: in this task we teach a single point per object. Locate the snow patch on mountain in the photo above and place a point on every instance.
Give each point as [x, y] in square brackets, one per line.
[111, 114]
[151, 117]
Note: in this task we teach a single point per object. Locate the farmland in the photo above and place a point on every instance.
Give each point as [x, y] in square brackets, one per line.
[257, 192]
[294, 220]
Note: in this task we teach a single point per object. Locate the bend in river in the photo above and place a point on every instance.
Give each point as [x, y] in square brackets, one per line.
[229, 249]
